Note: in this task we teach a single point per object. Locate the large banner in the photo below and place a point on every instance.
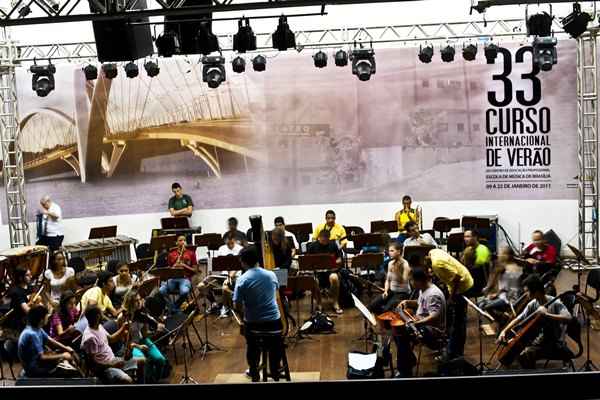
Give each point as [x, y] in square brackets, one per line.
[295, 134]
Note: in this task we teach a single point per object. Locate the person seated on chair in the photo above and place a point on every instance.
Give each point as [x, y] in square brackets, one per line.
[402, 217]
[36, 361]
[396, 286]
[20, 303]
[232, 229]
[180, 205]
[57, 276]
[255, 298]
[231, 246]
[95, 342]
[62, 322]
[414, 237]
[336, 231]
[504, 286]
[99, 295]
[327, 280]
[280, 224]
[180, 258]
[141, 327]
[550, 343]
[124, 281]
[430, 321]
[540, 255]
[477, 258]
[281, 248]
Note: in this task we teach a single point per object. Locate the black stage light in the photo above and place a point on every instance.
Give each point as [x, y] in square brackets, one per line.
[213, 71]
[110, 70]
[544, 52]
[207, 41]
[470, 52]
[491, 53]
[448, 53]
[426, 54]
[131, 70]
[91, 72]
[259, 63]
[238, 65]
[152, 68]
[245, 39]
[540, 25]
[167, 44]
[42, 81]
[320, 59]
[576, 23]
[341, 58]
[283, 37]
[363, 63]
[24, 11]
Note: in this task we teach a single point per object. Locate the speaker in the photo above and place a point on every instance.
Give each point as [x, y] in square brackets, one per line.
[117, 40]
[187, 32]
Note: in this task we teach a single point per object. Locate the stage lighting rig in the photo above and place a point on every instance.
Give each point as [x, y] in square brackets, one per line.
[110, 70]
[207, 40]
[469, 52]
[576, 23]
[283, 37]
[131, 70]
[320, 59]
[259, 63]
[245, 39]
[491, 53]
[238, 65]
[363, 63]
[152, 68]
[544, 52]
[425, 54]
[167, 44]
[213, 71]
[42, 81]
[91, 72]
[448, 53]
[341, 58]
[539, 25]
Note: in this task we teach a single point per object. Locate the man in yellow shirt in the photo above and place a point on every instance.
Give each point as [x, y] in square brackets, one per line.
[402, 217]
[99, 296]
[459, 281]
[336, 231]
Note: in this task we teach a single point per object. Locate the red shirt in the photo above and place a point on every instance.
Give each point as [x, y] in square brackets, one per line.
[188, 258]
[547, 256]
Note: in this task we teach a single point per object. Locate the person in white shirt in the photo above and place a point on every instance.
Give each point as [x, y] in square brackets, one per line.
[416, 238]
[280, 224]
[57, 276]
[230, 248]
[52, 232]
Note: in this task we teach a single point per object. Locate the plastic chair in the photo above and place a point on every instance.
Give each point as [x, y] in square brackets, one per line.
[567, 357]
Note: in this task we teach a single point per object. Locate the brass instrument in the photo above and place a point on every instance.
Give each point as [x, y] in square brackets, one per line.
[181, 252]
[419, 212]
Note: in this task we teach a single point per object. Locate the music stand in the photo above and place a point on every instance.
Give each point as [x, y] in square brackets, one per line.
[368, 318]
[164, 274]
[445, 225]
[316, 262]
[301, 231]
[480, 313]
[300, 283]
[148, 286]
[174, 223]
[581, 261]
[159, 244]
[210, 240]
[103, 232]
[418, 252]
[140, 265]
[369, 239]
[226, 263]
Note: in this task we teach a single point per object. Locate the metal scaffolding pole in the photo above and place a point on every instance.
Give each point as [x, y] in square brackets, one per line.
[12, 157]
[587, 144]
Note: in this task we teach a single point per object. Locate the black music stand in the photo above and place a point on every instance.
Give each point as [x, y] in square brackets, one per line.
[313, 263]
[103, 232]
[368, 262]
[146, 287]
[370, 239]
[581, 261]
[301, 231]
[445, 225]
[174, 223]
[159, 244]
[480, 313]
[300, 283]
[210, 240]
[368, 319]
[416, 252]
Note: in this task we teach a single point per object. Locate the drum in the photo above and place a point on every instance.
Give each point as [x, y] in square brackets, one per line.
[35, 258]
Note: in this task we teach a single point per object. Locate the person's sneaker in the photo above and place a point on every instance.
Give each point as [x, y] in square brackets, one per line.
[224, 312]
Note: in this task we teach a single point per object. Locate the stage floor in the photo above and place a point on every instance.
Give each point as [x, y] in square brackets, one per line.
[325, 358]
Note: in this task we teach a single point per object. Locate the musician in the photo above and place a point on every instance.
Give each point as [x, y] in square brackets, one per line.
[95, 342]
[255, 297]
[20, 303]
[180, 204]
[336, 231]
[230, 248]
[281, 248]
[459, 281]
[99, 296]
[405, 215]
[232, 229]
[430, 321]
[64, 318]
[550, 343]
[540, 255]
[415, 237]
[477, 258]
[123, 281]
[327, 279]
[52, 231]
[396, 286]
[36, 361]
[180, 257]
[280, 224]
[57, 276]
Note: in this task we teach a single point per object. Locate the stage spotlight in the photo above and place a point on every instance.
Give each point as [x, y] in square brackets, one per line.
[213, 71]
[426, 54]
[448, 53]
[540, 25]
[110, 70]
[320, 59]
[283, 37]
[544, 52]
[491, 53]
[341, 58]
[131, 70]
[363, 63]
[91, 72]
[167, 44]
[470, 52]
[152, 69]
[24, 11]
[238, 65]
[207, 41]
[576, 23]
[42, 81]
[245, 39]
[259, 63]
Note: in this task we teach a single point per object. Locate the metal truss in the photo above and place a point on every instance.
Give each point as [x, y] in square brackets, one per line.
[435, 32]
[12, 156]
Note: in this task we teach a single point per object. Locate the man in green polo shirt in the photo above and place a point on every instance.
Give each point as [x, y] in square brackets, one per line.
[477, 258]
[180, 205]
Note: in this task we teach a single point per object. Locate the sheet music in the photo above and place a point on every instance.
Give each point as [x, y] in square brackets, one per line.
[362, 361]
[364, 311]
[479, 310]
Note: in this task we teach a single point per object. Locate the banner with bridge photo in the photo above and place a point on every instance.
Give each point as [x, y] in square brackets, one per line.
[295, 134]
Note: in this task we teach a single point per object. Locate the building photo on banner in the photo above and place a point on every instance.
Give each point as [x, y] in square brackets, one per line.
[416, 207]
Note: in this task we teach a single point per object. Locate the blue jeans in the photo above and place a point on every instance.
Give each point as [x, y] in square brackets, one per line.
[181, 286]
